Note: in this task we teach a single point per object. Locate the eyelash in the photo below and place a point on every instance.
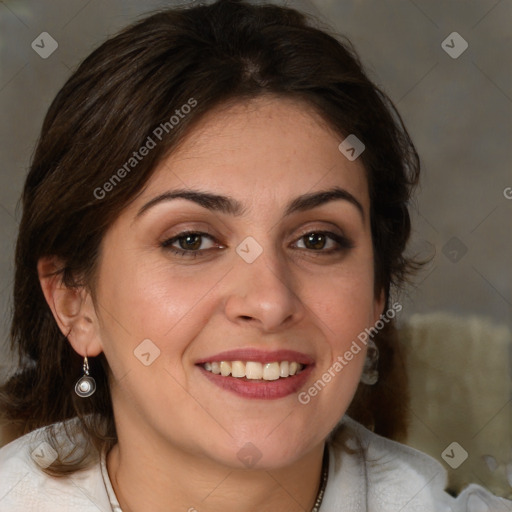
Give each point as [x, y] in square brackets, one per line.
[344, 243]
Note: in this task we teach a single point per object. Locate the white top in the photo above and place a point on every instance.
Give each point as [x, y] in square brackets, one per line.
[373, 475]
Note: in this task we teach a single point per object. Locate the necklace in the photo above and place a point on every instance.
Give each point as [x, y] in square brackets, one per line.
[323, 481]
[316, 507]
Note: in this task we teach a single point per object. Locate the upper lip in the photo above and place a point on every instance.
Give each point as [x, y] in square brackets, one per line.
[262, 356]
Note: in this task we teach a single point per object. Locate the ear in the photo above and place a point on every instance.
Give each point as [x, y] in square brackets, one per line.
[72, 308]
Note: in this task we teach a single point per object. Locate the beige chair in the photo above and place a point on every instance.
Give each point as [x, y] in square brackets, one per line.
[461, 392]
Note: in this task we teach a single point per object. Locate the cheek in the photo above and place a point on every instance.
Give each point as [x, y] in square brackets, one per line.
[144, 301]
[344, 302]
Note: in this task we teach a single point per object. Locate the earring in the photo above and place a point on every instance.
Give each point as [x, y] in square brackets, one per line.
[370, 373]
[86, 385]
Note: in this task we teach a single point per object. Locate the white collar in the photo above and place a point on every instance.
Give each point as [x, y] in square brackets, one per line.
[366, 473]
[357, 459]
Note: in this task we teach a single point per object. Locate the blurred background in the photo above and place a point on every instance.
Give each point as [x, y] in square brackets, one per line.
[447, 67]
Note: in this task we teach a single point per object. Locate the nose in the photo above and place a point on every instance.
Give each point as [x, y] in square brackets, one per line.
[265, 294]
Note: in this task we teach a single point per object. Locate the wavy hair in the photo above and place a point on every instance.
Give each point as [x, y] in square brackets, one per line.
[228, 51]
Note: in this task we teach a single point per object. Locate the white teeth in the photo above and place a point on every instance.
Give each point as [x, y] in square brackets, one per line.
[254, 370]
[271, 371]
[225, 368]
[237, 369]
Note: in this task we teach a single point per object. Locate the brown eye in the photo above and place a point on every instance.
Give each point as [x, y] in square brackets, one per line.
[190, 242]
[324, 242]
[315, 240]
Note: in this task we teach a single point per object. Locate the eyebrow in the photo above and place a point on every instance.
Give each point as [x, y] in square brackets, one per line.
[231, 206]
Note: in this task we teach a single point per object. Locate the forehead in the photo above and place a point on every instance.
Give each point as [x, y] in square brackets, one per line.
[271, 147]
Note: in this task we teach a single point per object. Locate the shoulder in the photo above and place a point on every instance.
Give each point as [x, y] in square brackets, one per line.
[368, 471]
[25, 487]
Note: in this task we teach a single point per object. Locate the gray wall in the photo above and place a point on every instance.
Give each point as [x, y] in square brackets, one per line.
[459, 113]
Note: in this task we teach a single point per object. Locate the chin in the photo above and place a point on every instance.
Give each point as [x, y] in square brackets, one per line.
[259, 450]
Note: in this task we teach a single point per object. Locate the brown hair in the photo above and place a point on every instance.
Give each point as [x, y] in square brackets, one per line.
[204, 56]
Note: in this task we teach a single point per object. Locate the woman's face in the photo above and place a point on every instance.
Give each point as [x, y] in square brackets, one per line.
[278, 268]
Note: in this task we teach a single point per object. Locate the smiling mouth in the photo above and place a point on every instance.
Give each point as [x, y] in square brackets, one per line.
[254, 370]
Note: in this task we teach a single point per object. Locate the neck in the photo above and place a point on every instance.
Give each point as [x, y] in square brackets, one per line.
[146, 476]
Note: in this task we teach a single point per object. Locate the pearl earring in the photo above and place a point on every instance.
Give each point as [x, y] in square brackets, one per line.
[86, 385]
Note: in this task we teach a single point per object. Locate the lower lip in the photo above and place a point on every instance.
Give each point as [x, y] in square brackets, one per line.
[261, 389]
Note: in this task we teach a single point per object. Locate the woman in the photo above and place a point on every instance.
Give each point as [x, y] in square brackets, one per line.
[213, 224]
